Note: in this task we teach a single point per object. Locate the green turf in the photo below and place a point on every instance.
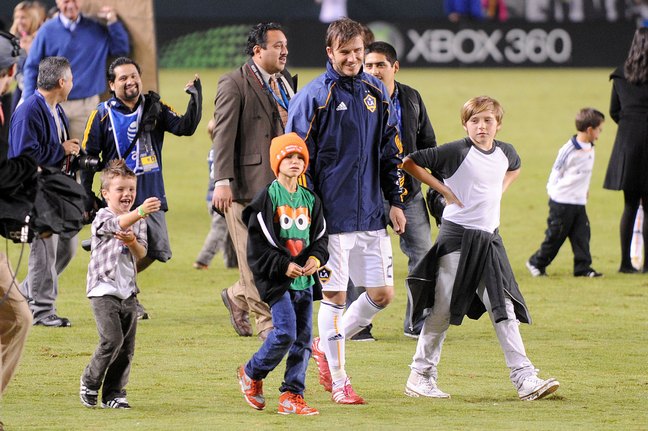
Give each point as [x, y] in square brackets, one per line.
[590, 334]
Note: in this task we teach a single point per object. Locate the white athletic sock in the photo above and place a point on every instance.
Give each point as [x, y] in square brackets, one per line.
[331, 331]
[359, 314]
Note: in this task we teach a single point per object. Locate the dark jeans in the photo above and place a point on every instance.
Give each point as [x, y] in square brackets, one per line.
[292, 317]
[565, 221]
[111, 362]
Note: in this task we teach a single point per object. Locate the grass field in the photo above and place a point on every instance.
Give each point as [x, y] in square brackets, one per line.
[590, 334]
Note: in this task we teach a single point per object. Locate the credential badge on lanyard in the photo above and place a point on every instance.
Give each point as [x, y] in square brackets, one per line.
[141, 158]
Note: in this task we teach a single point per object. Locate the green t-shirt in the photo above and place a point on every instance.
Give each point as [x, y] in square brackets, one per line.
[293, 213]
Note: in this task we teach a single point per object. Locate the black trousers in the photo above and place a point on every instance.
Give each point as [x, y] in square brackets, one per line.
[565, 221]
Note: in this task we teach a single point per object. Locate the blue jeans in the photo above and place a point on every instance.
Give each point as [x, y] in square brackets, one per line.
[292, 317]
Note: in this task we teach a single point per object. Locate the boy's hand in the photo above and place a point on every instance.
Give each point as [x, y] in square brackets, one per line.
[450, 198]
[312, 265]
[126, 236]
[151, 205]
[294, 270]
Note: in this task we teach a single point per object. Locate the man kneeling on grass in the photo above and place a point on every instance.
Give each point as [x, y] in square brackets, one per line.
[118, 241]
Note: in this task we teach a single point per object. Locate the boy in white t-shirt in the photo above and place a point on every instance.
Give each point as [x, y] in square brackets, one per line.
[568, 188]
[467, 271]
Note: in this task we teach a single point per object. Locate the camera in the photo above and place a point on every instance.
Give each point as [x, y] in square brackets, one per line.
[83, 161]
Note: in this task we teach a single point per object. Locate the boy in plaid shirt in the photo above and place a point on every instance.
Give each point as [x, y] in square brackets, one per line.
[118, 241]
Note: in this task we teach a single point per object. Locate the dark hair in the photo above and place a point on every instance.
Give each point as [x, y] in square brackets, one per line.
[368, 35]
[385, 49]
[50, 70]
[342, 31]
[259, 36]
[636, 65]
[588, 117]
[120, 62]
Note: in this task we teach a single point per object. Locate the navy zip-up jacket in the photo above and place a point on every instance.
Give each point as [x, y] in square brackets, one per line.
[354, 148]
[33, 132]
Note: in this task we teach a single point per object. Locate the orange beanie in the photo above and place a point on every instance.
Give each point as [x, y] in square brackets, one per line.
[285, 145]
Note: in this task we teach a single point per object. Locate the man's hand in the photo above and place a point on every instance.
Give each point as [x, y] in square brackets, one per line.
[397, 217]
[222, 198]
[108, 13]
[71, 147]
[194, 85]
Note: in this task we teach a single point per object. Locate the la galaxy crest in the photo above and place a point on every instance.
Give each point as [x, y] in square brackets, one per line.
[324, 274]
[370, 102]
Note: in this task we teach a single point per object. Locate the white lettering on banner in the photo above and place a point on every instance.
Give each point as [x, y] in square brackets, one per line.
[476, 46]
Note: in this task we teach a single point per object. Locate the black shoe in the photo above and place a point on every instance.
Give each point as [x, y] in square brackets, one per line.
[86, 244]
[142, 314]
[88, 396]
[53, 321]
[116, 403]
[628, 270]
[589, 273]
[364, 335]
[411, 334]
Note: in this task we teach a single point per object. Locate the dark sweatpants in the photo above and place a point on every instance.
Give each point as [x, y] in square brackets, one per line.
[565, 221]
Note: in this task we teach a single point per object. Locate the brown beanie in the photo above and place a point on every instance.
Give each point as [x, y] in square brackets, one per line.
[284, 145]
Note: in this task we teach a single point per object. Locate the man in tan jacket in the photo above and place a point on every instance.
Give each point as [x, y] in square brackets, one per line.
[250, 109]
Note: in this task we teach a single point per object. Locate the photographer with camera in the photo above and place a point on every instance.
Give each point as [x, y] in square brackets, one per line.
[39, 129]
[15, 317]
[131, 126]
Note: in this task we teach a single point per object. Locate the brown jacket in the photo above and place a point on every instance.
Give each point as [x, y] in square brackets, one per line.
[247, 119]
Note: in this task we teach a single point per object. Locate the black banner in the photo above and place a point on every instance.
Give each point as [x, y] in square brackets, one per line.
[512, 44]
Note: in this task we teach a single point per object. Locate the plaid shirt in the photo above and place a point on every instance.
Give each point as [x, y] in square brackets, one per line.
[106, 249]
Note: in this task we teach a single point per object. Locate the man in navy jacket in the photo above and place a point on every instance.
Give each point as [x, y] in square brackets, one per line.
[345, 119]
[39, 129]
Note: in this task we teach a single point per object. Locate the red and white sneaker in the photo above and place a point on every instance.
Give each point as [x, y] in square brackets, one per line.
[252, 389]
[294, 404]
[346, 395]
[322, 366]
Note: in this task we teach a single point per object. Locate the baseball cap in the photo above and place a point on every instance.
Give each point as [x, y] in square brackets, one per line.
[9, 50]
[284, 145]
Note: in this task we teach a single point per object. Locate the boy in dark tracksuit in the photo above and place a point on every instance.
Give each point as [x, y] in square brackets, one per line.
[287, 243]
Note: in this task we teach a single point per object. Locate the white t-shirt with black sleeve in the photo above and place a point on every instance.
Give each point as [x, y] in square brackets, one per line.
[475, 176]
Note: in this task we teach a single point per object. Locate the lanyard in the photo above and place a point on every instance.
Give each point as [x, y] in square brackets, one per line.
[284, 96]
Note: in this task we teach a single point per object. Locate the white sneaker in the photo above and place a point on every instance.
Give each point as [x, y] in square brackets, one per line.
[535, 271]
[534, 388]
[423, 385]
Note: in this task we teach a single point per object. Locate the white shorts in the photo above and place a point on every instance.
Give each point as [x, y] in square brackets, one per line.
[365, 257]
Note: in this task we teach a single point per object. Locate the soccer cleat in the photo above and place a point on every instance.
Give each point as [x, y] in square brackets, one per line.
[346, 395]
[88, 396]
[116, 403]
[294, 404]
[252, 389]
[534, 388]
[535, 271]
[423, 385]
[322, 366]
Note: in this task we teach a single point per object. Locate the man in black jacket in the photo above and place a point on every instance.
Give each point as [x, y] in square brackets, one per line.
[416, 133]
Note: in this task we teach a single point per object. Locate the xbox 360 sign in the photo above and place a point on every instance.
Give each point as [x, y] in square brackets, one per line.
[520, 44]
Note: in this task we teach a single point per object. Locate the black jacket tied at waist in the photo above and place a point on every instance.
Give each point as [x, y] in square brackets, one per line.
[483, 257]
